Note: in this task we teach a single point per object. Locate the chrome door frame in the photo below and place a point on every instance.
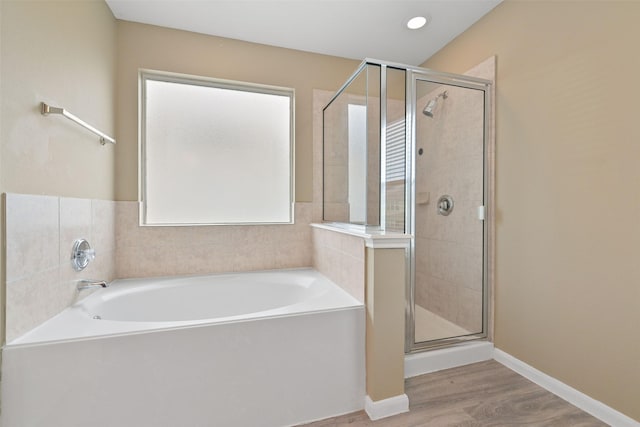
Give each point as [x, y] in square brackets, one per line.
[412, 77]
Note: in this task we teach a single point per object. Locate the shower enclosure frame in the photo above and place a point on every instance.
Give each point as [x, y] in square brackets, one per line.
[412, 75]
[486, 210]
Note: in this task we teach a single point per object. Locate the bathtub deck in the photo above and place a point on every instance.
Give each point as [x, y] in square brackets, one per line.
[481, 394]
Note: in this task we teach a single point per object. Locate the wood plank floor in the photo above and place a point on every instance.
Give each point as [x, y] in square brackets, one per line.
[481, 394]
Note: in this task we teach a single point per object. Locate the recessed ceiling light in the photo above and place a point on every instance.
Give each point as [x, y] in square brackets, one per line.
[416, 22]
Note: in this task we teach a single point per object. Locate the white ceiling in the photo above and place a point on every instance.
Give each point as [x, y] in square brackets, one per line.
[354, 29]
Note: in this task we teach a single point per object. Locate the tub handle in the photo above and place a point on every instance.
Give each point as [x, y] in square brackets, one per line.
[81, 254]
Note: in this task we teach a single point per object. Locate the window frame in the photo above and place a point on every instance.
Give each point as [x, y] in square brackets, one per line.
[163, 76]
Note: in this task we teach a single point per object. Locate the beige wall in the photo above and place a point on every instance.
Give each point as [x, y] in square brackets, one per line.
[568, 205]
[63, 53]
[385, 302]
[145, 46]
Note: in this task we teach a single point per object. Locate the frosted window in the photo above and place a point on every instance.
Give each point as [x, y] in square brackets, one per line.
[215, 152]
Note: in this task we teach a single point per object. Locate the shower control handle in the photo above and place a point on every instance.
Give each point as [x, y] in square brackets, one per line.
[445, 205]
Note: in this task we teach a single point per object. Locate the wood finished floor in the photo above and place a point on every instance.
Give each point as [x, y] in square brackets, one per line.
[478, 395]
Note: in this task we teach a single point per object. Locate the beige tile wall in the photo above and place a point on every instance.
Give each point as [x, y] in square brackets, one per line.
[40, 231]
[320, 99]
[451, 164]
[340, 257]
[336, 161]
[168, 251]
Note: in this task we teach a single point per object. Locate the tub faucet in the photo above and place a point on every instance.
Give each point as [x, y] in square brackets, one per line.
[88, 284]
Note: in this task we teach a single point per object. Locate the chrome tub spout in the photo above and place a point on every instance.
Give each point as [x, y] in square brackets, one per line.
[88, 284]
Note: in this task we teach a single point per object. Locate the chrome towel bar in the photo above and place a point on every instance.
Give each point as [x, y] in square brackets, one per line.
[46, 109]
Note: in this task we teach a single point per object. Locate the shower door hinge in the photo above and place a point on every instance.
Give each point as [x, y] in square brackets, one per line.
[481, 213]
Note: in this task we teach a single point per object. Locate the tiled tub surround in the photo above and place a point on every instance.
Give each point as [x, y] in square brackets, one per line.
[170, 251]
[340, 257]
[39, 233]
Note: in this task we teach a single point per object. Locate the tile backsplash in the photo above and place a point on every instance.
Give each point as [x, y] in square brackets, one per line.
[40, 232]
[39, 235]
[167, 251]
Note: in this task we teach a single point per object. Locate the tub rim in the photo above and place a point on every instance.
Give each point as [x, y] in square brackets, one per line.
[74, 312]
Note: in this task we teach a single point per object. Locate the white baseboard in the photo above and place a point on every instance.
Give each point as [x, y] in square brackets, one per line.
[451, 357]
[562, 390]
[386, 407]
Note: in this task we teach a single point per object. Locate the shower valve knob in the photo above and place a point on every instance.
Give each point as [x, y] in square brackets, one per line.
[81, 254]
[445, 205]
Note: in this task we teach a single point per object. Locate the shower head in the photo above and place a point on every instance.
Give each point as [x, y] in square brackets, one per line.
[428, 110]
[431, 105]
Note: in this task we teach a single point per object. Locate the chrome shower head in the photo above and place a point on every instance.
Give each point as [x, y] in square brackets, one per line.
[431, 105]
[428, 110]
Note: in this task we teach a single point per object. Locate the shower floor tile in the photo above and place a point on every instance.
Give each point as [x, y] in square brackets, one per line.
[429, 326]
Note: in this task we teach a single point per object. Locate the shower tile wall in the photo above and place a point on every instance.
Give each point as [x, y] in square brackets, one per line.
[40, 231]
[320, 99]
[449, 248]
[336, 162]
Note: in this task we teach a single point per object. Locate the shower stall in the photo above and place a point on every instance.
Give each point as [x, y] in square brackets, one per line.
[405, 150]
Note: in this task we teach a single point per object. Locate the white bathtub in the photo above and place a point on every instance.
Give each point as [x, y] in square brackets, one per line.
[248, 349]
[136, 305]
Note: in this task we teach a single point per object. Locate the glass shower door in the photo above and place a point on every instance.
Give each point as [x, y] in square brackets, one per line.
[449, 295]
